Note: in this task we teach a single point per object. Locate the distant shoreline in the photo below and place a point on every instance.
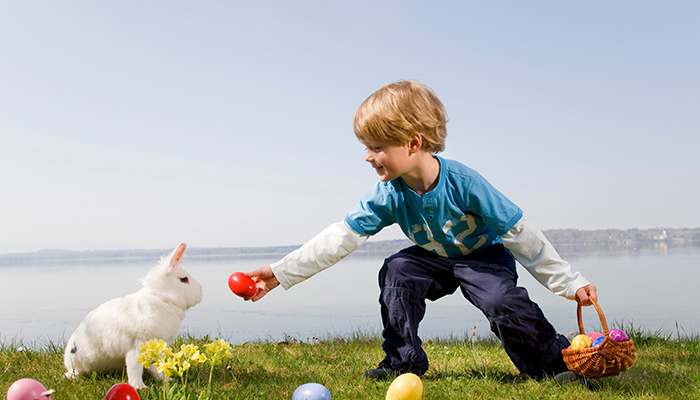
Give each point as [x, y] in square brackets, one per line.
[569, 242]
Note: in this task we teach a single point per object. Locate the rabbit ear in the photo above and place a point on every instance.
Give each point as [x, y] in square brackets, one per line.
[177, 254]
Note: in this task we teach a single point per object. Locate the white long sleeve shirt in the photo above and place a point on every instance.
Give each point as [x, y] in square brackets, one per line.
[525, 241]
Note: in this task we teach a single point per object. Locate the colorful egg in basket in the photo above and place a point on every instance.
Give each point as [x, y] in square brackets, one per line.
[609, 358]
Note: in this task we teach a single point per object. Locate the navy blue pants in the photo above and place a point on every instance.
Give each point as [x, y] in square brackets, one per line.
[488, 280]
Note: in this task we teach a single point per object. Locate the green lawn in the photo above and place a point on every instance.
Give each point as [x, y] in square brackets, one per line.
[665, 369]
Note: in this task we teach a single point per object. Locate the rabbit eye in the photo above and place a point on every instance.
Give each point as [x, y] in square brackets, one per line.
[184, 280]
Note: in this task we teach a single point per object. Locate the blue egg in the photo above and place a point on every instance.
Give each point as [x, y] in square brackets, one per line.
[311, 391]
[598, 341]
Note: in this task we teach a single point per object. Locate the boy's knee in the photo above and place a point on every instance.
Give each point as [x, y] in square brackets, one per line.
[500, 304]
[493, 307]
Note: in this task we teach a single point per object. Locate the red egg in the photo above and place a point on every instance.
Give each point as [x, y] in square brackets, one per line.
[241, 284]
[122, 391]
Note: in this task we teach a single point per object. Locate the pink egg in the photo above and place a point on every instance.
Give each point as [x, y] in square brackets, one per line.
[618, 335]
[594, 335]
[28, 389]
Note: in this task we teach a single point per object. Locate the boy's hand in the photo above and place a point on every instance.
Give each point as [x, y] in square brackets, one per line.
[264, 281]
[585, 294]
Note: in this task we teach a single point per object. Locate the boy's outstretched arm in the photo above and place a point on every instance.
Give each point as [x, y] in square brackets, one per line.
[265, 281]
[319, 253]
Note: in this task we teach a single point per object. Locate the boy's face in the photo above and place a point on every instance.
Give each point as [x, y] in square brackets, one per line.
[390, 161]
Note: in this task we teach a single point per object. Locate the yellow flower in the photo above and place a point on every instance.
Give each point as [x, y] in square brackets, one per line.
[152, 351]
[184, 367]
[168, 367]
[143, 360]
[188, 356]
[217, 350]
[157, 352]
[188, 349]
[198, 358]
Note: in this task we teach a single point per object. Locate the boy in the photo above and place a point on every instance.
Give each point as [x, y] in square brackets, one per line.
[467, 235]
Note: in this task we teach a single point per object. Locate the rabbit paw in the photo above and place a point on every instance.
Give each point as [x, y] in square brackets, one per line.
[137, 384]
[71, 374]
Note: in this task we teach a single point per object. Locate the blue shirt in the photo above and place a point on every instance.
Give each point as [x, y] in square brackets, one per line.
[462, 214]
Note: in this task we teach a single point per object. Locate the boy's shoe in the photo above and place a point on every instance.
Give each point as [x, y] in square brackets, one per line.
[569, 376]
[381, 373]
[566, 377]
[385, 372]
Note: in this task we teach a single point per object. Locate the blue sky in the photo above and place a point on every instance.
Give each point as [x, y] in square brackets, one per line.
[218, 123]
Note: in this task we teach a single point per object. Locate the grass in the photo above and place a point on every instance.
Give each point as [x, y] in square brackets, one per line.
[666, 368]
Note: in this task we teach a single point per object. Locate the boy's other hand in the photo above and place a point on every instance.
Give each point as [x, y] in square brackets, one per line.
[585, 294]
[264, 281]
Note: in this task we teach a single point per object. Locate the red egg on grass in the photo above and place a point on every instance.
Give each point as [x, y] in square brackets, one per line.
[241, 284]
[122, 391]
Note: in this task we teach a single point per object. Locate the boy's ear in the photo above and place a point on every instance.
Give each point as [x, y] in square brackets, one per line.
[415, 143]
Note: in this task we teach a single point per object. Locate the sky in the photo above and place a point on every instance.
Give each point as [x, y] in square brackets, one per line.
[142, 124]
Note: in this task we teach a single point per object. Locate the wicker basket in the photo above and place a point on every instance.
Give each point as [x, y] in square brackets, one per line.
[608, 359]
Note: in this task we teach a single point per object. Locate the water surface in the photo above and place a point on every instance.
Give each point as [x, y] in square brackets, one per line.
[653, 289]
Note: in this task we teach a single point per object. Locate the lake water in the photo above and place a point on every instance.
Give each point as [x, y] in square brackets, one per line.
[655, 290]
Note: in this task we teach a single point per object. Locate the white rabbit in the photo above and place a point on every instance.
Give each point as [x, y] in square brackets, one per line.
[110, 335]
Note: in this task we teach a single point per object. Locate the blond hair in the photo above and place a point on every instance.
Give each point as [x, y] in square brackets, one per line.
[396, 112]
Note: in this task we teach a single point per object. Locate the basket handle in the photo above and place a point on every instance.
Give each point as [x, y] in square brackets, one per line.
[600, 315]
